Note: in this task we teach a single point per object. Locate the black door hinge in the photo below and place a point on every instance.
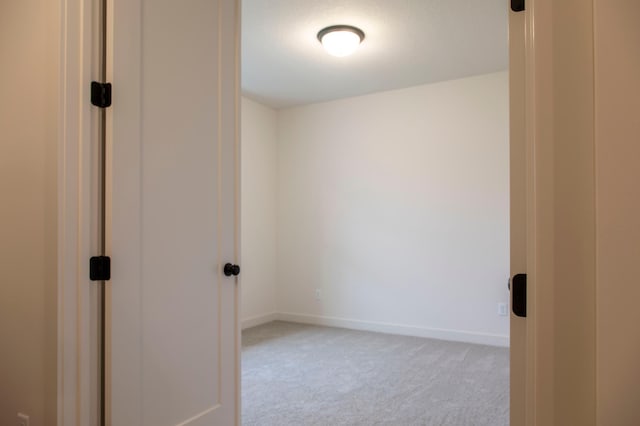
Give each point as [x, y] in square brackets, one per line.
[517, 5]
[100, 268]
[101, 94]
[519, 295]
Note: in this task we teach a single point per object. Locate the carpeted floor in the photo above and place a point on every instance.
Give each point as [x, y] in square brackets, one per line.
[303, 375]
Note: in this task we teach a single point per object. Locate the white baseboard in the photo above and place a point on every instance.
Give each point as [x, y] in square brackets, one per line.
[259, 320]
[433, 333]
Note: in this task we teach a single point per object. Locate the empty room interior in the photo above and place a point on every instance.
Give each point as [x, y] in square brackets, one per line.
[375, 212]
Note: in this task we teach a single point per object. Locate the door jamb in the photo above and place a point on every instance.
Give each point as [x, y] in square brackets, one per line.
[539, 393]
[74, 401]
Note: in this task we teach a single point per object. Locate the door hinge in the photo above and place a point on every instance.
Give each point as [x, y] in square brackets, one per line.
[101, 94]
[100, 268]
[517, 5]
[519, 295]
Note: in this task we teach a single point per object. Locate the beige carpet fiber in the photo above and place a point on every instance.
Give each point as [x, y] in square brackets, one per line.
[306, 375]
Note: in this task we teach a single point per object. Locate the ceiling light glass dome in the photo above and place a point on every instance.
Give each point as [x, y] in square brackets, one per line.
[341, 40]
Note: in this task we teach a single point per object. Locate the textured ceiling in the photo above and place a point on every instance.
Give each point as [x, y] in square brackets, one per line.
[407, 43]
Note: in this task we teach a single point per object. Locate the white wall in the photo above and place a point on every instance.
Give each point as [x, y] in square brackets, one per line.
[29, 34]
[396, 206]
[258, 212]
[617, 94]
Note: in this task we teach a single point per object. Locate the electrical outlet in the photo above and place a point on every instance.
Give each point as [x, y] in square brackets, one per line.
[318, 295]
[502, 309]
[23, 420]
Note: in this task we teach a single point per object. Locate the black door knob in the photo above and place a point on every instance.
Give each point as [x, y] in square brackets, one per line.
[231, 269]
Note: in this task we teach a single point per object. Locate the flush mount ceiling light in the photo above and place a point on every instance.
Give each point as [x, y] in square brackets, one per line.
[341, 40]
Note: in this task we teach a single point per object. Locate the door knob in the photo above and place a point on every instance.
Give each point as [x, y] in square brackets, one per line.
[231, 269]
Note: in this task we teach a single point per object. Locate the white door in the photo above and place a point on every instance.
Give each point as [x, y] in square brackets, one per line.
[174, 335]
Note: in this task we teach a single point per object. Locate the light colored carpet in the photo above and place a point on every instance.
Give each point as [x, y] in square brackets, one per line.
[305, 375]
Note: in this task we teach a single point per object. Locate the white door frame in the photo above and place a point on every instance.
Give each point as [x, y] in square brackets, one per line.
[560, 383]
[74, 208]
[539, 381]
[75, 400]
